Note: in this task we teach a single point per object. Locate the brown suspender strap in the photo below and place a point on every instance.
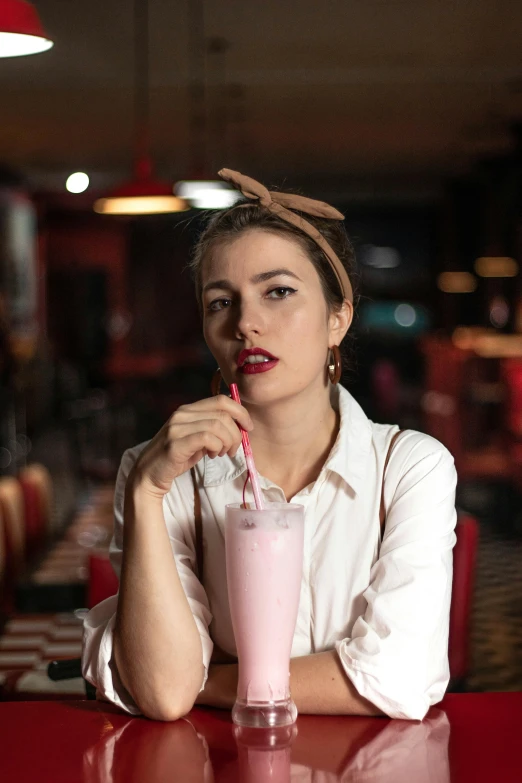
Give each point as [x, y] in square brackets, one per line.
[382, 510]
[218, 656]
[198, 525]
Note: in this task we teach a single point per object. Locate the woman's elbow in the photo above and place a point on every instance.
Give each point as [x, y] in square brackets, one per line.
[167, 712]
[170, 703]
[167, 708]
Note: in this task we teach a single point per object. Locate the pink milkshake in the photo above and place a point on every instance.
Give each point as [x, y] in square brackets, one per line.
[264, 555]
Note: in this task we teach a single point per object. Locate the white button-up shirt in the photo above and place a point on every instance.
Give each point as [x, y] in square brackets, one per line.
[384, 607]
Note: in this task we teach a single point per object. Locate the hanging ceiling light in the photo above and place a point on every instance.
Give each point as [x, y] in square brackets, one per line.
[207, 194]
[21, 31]
[199, 188]
[143, 195]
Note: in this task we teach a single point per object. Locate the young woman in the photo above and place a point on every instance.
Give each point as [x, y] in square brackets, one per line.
[273, 281]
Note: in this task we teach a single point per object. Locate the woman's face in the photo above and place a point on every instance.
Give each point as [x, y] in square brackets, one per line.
[262, 291]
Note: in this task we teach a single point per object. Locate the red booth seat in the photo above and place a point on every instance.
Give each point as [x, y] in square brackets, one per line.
[464, 558]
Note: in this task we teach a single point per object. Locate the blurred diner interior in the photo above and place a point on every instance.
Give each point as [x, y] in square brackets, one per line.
[405, 116]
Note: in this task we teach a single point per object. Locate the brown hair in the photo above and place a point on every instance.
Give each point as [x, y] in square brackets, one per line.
[228, 224]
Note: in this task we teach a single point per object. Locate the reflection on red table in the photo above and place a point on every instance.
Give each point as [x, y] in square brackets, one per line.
[468, 737]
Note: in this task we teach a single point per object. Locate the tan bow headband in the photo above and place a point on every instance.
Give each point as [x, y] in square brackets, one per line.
[281, 205]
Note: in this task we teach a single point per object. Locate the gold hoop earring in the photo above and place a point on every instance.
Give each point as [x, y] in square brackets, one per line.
[335, 367]
[215, 383]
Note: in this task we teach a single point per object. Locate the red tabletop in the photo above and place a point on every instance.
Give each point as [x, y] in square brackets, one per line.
[469, 737]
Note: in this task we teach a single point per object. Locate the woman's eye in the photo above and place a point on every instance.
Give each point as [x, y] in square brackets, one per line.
[281, 292]
[218, 304]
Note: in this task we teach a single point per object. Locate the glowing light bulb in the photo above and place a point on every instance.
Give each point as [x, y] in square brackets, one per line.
[77, 182]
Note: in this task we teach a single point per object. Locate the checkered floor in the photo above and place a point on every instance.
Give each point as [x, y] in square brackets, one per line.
[28, 641]
[496, 622]
[27, 646]
[496, 631]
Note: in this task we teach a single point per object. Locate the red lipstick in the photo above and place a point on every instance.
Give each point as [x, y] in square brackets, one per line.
[251, 369]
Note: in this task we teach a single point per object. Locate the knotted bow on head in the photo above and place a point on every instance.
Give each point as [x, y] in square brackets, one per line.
[281, 205]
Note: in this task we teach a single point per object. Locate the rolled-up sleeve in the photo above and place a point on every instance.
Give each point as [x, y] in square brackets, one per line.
[397, 654]
[98, 665]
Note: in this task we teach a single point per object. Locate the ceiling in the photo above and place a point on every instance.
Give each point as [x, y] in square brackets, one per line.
[354, 95]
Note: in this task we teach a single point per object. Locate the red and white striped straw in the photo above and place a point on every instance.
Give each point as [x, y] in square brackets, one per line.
[252, 472]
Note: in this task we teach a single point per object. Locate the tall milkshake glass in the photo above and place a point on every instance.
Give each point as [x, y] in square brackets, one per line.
[264, 558]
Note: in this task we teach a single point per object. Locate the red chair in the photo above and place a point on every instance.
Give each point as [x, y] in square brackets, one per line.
[2, 556]
[39, 478]
[12, 512]
[34, 519]
[464, 559]
[103, 582]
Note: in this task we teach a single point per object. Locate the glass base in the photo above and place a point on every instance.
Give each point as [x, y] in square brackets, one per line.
[275, 738]
[264, 715]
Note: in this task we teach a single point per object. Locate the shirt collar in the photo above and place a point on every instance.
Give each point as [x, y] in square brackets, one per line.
[349, 455]
[347, 458]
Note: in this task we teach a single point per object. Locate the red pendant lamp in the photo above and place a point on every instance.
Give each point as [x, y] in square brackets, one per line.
[144, 194]
[21, 31]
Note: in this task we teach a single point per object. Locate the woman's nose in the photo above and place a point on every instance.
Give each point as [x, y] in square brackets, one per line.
[249, 320]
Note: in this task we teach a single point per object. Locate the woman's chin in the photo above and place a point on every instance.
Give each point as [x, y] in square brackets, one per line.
[258, 390]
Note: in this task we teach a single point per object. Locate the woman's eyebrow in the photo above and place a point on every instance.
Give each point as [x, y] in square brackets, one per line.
[263, 276]
[260, 278]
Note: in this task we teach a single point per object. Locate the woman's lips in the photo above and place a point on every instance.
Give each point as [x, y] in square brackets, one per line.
[246, 353]
[252, 369]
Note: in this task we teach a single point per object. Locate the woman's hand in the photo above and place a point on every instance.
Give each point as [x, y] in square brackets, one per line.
[208, 426]
[221, 686]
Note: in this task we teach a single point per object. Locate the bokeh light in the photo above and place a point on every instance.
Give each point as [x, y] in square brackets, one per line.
[77, 182]
[405, 315]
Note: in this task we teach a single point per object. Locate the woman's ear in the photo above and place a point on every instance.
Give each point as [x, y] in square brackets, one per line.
[339, 322]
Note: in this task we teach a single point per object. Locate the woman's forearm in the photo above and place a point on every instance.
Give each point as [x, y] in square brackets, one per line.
[220, 687]
[318, 685]
[157, 646]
